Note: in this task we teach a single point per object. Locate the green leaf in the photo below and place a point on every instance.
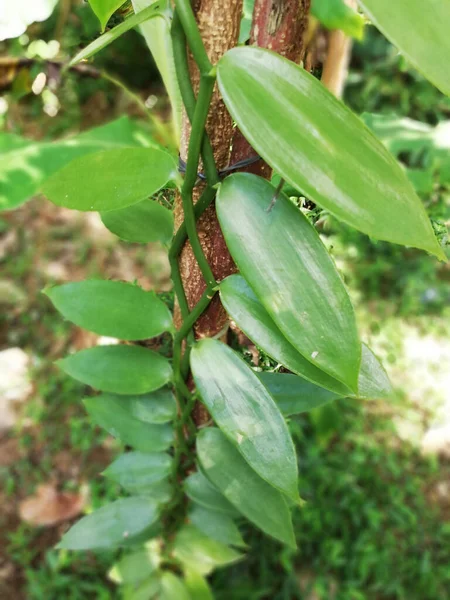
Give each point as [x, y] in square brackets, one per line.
[295, 395]
[118, 369]
[156, 10]
[197, 586]
[283, 259]
[321, 148]
[158, 407]
[147, 590]
[111, 179]
[144, 222]
[173, 588]
[201, 491]
[251, 317]
[112, 308]
[112, 525]
[217, 526]
[263, 505]
[336, 14]
[197, 551]
[135, 567]
[116, 415]
[138, 471]
[246, 413]
[373, 382]
[419, 31]
[104, 9]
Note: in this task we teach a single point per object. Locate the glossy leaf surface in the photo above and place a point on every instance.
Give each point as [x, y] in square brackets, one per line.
[283, 259]
[112, 308]
[116, 415]
[419, 31]
[111, 179]
[246, 413]
[112, 525]
[104, 9]
[139, 471]
[216, 526]
[118, 369]
[201, 491]
[321, 148]
[197, 551]
[144, 222]
[263, 505]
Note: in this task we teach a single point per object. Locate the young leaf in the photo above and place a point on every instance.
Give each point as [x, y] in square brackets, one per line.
[172, 588]
[420, 32]
[116, 415]
[246, 413]
[104, 9]
[144, 222]
[216, 526]
[201, 491]
[197, 551]
[295, 395]
[156, 10]
[111, 179]
[283, 259]
[263, 505]
[112, 525]
[197, 585]
[336, 14]
[118, 369]
[321, 148]
[138, 471]
[112, 308]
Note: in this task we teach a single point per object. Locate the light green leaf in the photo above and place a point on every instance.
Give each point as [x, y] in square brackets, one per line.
[217, 526]
[336, 14]
[246, 413]
[158, 407]
[116, 415]
[173, 588]
[197, 585]
[138, 471]
[197, 551]
[305, 297]
[112, 308]
[156, 10]
[373, 382]
[201, 491]
[419, 31]
[321, 148]
[104, 9]
[144, 222]
[118, 369]
[111, 179]
[295, 395]
[263, 505]
[112, 525]
[147, 590]
[135, 567]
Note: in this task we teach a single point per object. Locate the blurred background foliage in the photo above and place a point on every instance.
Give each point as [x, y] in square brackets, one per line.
[375, 477]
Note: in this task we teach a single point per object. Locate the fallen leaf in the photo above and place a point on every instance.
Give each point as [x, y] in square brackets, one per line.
[49, 507]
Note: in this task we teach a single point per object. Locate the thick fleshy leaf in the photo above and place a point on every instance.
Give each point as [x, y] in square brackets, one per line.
[111, 179]
[158, 10]
[421, 35]
[217, 526]
[118, 369]
[321, 148]
[104, 9]
[116, 415]
[198, 586]
[337, 14]
[172, 588]
[135, 567]
[115, 524]
[246, 413]
[144, 222]
[285, 262]
[252, 496]
[196, 550]
[138, 471]
[112, 308]
[295, 395]
[201, 491]
[252, 318]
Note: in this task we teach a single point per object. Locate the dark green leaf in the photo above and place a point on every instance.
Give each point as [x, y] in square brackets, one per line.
[111, 179]
[144, 222]
[217, 526]
[173, 588]
[137, 471]
[118, 369]
[283, 259]
[246, 413]
[201, 491]
[419, 31]
[104, 9]
[197, 551]
[116, 415]
[336, 14]
[252, 496]
[112, 525]
[112, 308]
[318, 146]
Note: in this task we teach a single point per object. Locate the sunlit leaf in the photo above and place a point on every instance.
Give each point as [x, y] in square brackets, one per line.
[135, 567]
[104, 9]
[197, 585]
[173, 588]
[336, 14]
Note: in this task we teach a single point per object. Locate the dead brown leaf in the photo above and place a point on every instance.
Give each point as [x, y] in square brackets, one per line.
[49, 506]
